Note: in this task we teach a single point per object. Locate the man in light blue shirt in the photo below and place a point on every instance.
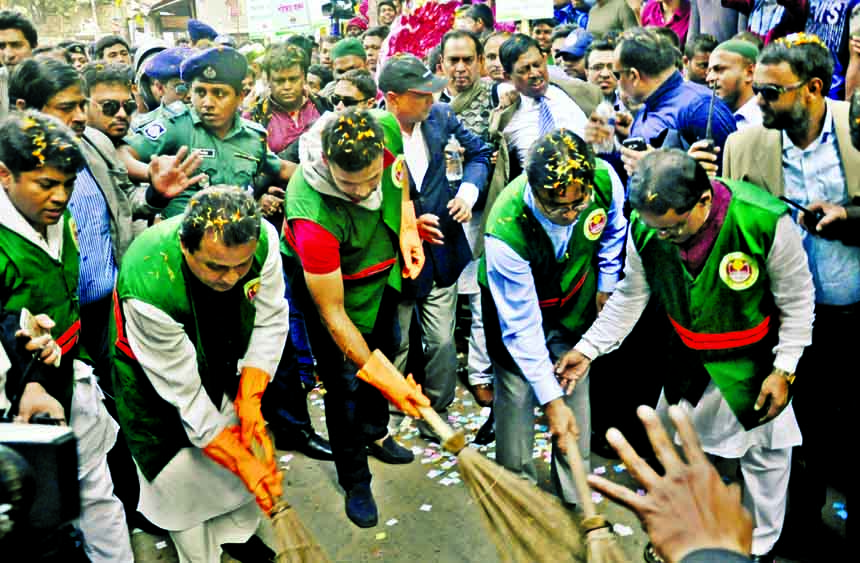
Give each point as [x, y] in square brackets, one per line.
[553, 247]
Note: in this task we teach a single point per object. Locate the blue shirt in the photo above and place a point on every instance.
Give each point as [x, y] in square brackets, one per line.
[815, 174]
[512, 286]
[569, 14]
[683, 106]
[830, 20]
[92, 226]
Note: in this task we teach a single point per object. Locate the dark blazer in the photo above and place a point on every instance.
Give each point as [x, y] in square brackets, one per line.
[444, 263]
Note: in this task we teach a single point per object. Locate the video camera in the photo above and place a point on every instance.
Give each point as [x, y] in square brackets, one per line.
[39, 494]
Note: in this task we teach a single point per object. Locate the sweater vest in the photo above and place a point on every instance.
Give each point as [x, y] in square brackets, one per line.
[566, 286]
[34, 280]
[154, 272]
[726, 313]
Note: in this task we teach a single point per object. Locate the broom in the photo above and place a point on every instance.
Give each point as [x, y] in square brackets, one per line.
[601, 542]
[526, 524]
[295, 543]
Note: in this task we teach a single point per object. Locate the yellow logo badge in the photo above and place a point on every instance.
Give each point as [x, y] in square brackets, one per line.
[252, 288]
[594, 224]
[738, 271]
[73, 228]
[399, 173]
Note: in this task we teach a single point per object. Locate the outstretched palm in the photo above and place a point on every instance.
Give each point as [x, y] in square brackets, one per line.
[171, 175]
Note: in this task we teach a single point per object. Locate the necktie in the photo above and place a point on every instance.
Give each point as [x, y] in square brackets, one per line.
[546, 123]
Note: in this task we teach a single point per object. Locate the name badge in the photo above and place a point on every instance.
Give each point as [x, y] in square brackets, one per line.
[206, 153]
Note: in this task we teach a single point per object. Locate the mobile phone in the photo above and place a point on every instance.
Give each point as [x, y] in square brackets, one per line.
[28, 322]
[635, 143]
[810, 218]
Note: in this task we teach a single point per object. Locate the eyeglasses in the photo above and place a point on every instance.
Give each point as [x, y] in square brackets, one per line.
[673, 230]
[597, 67]
[556, 210]
[345, 100]
[772, 92]
[111, 107]
[618, 73]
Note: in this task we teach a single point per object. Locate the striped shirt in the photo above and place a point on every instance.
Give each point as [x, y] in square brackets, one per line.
[92, 227]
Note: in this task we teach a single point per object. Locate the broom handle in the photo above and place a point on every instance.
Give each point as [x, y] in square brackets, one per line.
[577, 468]
[442, 428]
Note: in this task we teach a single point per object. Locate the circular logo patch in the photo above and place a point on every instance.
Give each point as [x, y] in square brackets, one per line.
[154, 130]
[399, 173]
[210, 73]
[252, 288]
[594, 224]
[738, 271]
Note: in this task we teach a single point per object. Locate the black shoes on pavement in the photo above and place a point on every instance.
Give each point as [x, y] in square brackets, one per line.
[390, 452]
[305, 441]
[360, 506]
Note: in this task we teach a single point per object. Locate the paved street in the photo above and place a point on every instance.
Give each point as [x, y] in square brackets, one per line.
[426, 513]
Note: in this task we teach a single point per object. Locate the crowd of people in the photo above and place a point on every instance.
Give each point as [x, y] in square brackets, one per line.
[637, 202]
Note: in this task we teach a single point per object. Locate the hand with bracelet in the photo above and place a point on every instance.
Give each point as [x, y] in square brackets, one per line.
[775, 392]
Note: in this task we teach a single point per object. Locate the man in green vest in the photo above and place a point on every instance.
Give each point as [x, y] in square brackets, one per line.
[234, 150]
[727, 265]
[199, 324]
[349, 223]
[553, 247]
[39, 265]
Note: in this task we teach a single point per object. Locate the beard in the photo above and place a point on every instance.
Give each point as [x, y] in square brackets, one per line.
[793, 119]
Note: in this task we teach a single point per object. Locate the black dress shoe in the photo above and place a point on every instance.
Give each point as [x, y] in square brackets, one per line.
[487, 433]
[254, 550]
[390, 452]
[304, 441]
[360, 506]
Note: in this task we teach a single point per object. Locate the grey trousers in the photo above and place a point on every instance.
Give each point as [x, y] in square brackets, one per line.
[436, 312]
[514, 405]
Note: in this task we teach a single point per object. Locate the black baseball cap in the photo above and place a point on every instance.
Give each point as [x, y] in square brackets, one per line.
[404, 73]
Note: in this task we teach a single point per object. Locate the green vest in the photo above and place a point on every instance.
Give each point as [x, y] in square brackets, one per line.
[726, 313]
[154, 272]
[33, 280]
[566, 287]
[369, 240]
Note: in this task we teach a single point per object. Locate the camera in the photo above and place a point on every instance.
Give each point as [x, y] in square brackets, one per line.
[39, 493]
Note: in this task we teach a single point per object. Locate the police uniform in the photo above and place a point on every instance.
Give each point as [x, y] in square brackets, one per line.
[163, 66]
[235, 160]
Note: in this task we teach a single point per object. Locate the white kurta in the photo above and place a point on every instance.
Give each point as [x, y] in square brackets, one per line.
[193, 488]
[719, 430]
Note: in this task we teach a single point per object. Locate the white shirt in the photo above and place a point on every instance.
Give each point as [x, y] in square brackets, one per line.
[748, 114]
[417, 156]
[522, 131]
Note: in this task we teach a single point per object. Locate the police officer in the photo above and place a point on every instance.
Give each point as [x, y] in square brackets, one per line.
[201, 34]
[165, 85]
[234, 150]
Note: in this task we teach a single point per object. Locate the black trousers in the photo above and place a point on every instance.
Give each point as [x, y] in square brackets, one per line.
[356, 412]
[821, 395]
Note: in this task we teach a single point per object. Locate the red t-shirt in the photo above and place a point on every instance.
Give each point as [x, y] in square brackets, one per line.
[318, 250]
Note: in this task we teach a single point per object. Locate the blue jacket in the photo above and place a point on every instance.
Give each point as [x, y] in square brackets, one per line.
[444, 263]
[683, 107]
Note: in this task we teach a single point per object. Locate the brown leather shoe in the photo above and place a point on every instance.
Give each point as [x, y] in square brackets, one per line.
[483, 394]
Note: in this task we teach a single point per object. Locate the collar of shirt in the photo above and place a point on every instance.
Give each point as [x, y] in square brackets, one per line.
[558, 234]
[749, 113]
[671, 83]
[826, 136]
[12, 219]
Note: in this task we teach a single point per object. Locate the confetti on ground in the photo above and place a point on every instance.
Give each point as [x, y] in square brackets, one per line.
[446, 481]
[596, 497]
[619, 468]
[433, 473]
[391, 522]
[449, 464]
[426, 507]
[160, 545]
[381, 536]
[286, 458]
[622, 530]
[417, 450]
[599, 470]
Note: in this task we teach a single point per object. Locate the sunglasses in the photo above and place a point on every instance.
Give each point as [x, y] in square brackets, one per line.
[772, 92]
[346, 100]
[181, 88]
[111, 107]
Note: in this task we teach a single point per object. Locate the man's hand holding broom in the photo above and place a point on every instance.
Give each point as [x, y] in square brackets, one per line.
[562, 424]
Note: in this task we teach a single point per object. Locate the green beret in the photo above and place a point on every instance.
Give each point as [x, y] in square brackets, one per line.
[346, 47]
[216, 64]
[743, 48]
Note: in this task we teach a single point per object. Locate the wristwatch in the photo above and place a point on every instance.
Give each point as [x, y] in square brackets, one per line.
[788, 376]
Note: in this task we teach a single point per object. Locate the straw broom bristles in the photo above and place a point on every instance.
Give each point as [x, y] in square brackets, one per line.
[295, 543]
